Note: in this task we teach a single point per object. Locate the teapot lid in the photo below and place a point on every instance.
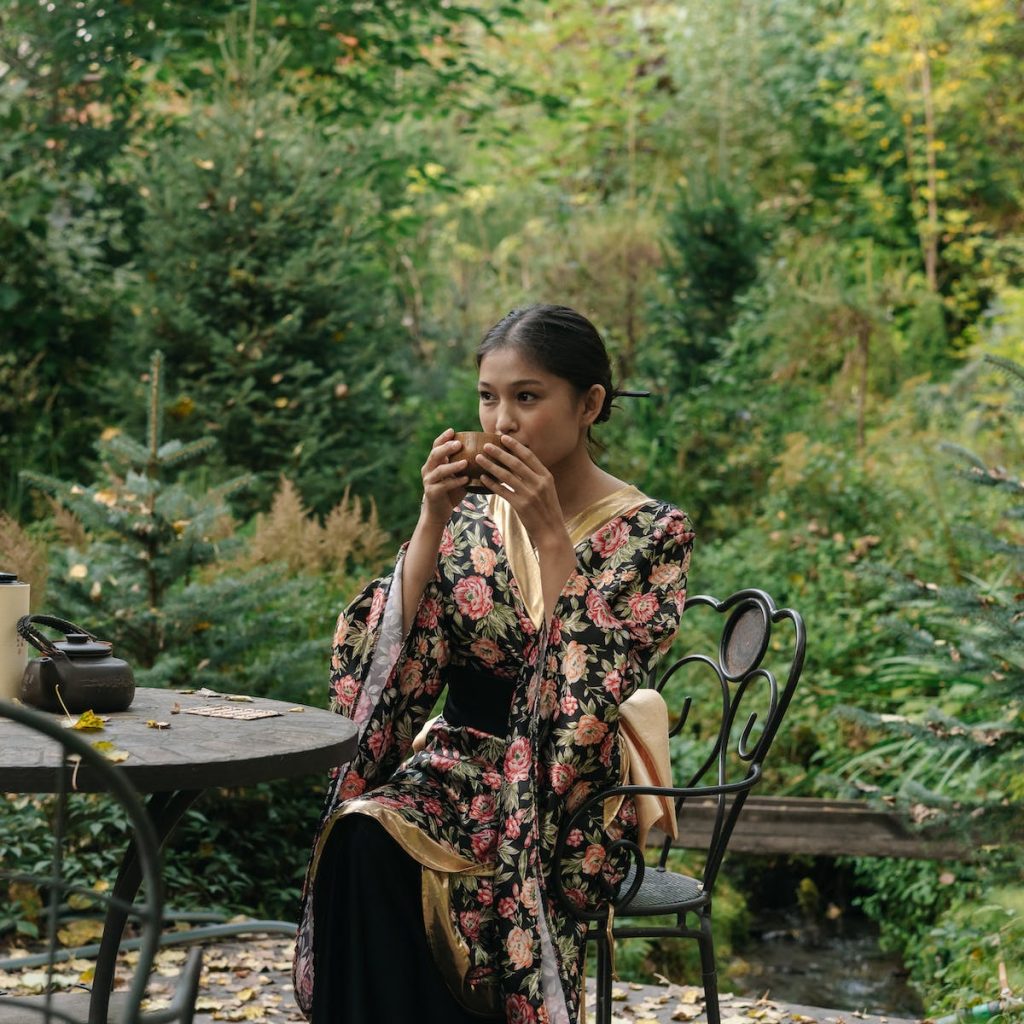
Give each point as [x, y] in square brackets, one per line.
[81, 645]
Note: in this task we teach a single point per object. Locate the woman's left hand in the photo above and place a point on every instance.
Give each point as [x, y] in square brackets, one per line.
[532, 493]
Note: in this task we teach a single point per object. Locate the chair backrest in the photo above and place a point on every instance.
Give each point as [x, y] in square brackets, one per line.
[74, 758]
[752, 705]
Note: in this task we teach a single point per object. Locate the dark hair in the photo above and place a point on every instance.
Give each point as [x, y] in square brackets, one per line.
[560, 341]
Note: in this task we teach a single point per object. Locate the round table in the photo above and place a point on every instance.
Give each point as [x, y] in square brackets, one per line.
[194, 752]
[174, 760]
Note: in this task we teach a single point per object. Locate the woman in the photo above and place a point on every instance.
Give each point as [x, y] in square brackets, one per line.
[541, 606]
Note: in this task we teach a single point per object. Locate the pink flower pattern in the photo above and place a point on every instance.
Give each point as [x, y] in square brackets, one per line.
[500, 801]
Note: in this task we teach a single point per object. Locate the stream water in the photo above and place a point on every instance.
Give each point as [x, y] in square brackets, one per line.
[837, 965]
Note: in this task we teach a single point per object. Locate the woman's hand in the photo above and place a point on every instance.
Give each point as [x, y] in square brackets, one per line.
[530, 488]
[531, 492]
[444, 481]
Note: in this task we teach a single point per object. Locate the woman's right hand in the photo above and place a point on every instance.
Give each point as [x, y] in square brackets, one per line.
[444, 480]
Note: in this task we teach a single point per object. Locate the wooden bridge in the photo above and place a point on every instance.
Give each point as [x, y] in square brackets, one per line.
[822, 828]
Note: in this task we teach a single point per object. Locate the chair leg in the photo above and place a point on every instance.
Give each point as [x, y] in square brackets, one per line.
[603, 979]
[709, 972]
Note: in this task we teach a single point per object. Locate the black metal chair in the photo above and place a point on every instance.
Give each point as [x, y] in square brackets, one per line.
[78, 758]
[725, 775]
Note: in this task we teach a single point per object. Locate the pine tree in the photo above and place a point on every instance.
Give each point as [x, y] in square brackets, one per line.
[144, 571]
[714, 239]
[964, 644]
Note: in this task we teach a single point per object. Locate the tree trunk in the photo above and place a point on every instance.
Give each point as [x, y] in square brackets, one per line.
[930, 234]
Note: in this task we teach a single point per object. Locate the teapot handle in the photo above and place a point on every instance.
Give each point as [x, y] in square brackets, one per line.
[40, 642]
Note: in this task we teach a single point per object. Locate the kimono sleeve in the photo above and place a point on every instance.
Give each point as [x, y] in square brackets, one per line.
[384, 678]
[618, 613]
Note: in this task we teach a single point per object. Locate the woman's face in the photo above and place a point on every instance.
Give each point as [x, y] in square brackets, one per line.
[538, 409]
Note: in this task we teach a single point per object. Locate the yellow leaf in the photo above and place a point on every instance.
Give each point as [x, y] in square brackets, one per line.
[89, 721]
[107, 749]
[152, 723]
[80, 931]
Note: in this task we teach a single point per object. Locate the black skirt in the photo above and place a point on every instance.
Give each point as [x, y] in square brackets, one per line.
[372, 964]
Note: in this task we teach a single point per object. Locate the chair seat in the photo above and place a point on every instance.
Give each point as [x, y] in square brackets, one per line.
[661, 892]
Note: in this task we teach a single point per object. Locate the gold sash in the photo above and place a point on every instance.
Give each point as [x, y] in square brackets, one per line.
[522, 557]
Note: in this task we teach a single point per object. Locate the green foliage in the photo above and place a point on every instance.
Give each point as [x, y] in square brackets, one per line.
[957, 955]
[714, 241]
[261, 253]
[953, 923]
[244, 851]
[147, 535]
[238, 851]
[60, 283]
[151, 570]
[96, 828]
[966, 640]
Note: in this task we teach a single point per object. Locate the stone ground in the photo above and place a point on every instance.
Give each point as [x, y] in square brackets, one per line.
[248, 979]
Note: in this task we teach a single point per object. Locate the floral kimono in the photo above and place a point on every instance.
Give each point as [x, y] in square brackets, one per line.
[480, 812]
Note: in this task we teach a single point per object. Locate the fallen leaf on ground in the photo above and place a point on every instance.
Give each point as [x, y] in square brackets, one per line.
[80, 931]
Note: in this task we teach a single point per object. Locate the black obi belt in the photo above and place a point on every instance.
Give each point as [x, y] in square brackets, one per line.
[477, 699]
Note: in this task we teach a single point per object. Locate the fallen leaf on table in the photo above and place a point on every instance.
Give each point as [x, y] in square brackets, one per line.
[110, 752]
[239, 697]
[154, 724]
[686, 1012]
[89, 721]
[175, 708]
[296, 709]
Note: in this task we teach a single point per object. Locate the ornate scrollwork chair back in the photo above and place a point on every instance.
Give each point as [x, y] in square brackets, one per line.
[743, 689]
[79, 765]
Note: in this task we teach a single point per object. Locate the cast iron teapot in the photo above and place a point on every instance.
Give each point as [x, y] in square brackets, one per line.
[88, 676]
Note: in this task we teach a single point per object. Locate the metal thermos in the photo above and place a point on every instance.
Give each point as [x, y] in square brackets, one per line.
[13, 649]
